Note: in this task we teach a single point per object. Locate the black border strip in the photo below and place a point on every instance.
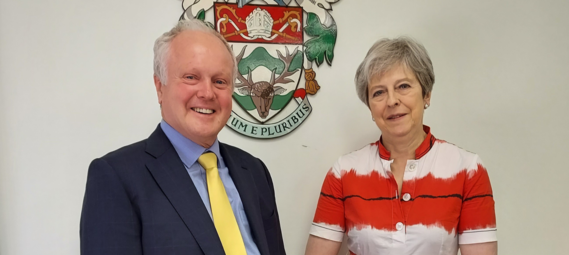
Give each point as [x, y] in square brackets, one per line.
[431, 196]
[478, 196]
[357, 196]
[412, 199]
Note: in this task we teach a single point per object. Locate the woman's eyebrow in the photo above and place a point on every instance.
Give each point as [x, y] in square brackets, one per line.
[396, 82]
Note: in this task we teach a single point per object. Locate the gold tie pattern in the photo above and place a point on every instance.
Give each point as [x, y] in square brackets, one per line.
[223, 217]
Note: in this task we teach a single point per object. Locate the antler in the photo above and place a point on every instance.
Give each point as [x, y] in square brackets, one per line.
[287, 59]
[244, 82]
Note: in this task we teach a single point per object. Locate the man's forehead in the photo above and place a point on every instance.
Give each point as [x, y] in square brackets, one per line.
[189, 39]
[192, 37]
[188, 53]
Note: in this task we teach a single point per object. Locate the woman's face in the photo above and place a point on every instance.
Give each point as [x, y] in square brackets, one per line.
[396, 102]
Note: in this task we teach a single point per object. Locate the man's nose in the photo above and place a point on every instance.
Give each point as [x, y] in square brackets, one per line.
[205, 90]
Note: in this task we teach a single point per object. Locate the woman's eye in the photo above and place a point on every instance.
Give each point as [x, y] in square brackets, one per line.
[378, 93]
[404, 86]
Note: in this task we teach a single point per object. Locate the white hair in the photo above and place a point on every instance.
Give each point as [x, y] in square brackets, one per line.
[387, 53]
[162, 46]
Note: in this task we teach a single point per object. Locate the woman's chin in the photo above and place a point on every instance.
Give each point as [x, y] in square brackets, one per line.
[400, 131]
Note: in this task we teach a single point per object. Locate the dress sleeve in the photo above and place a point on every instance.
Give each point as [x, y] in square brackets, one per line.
[329, 220]
[477, 222]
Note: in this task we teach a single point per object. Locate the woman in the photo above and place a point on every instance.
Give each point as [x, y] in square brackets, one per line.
[408, 193]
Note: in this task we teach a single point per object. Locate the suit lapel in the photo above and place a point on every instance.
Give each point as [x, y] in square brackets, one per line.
[245, 184]
[170, 174]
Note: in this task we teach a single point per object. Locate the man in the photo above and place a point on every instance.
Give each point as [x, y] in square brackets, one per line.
[181, 191]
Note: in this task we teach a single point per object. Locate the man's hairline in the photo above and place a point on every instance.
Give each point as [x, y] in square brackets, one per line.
[225, 44]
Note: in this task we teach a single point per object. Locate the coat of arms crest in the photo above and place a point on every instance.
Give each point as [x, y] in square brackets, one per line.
[276, 45]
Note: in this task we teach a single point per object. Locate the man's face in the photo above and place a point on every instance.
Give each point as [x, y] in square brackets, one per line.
[196, 101]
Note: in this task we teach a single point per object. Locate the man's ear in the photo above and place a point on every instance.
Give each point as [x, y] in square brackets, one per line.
[158, 84]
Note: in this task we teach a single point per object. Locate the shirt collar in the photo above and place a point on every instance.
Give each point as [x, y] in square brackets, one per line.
[188, 150]
[425, 146]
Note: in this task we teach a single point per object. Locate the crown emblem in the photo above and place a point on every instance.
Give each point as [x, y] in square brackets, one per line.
[259, 23]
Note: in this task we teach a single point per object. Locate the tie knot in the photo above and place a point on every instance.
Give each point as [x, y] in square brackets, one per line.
[208, 160]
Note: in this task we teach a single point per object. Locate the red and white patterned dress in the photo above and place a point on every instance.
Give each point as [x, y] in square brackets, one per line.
[446, 200]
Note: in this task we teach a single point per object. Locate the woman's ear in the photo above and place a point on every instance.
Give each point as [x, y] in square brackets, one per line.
[427, 98]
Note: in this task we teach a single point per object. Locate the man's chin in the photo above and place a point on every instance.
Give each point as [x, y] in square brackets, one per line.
[205, 131]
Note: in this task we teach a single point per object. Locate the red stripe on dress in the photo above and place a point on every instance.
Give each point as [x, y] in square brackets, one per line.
[369, 200]
[478, 206]
[436, 202]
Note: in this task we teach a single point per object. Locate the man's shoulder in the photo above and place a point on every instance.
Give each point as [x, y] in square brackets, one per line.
[156, 144]
[236, 152]
[126, 161]
[131, 151]
[242, 157]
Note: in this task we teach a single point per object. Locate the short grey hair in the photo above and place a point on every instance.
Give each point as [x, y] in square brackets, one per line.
[388, 53]
[162, 46]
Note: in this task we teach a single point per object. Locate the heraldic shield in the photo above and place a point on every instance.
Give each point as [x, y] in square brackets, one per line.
[268, 43]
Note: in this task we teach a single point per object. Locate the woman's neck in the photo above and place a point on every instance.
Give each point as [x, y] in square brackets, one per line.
[404, 147]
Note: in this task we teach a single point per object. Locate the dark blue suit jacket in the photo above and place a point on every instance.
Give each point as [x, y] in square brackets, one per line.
[140, 200]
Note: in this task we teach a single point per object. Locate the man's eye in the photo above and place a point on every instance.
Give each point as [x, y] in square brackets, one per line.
[220, 82]
[190, 77]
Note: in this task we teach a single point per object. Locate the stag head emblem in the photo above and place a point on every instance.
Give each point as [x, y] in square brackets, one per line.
[262, 92]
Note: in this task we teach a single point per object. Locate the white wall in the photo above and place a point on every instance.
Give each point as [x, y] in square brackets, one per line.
[76, 82]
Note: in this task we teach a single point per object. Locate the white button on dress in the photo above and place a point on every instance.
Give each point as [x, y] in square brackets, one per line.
[399, 226]
[406, 197]
[412, 167]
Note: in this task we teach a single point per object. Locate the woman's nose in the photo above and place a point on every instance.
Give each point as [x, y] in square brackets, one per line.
[392, 99]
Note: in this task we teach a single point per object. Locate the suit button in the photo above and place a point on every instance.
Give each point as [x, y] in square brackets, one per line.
[406, 197]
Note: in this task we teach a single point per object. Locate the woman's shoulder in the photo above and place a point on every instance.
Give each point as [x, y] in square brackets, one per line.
[453, 153]
[360, 160]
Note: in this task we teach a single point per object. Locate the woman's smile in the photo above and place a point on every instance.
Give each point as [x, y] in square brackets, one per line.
[397, 116]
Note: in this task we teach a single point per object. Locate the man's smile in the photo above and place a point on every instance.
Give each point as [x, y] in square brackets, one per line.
[203, 110]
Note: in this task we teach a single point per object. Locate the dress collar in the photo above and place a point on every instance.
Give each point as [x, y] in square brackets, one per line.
[425, 146]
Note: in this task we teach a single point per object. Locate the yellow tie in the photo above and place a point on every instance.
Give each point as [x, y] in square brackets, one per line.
[223, 217]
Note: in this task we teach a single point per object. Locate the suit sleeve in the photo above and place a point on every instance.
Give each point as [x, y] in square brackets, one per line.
[477, 222]
[277, 229]
[109, 224]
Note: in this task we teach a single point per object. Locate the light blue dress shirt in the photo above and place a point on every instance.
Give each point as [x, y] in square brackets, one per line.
[189, 152]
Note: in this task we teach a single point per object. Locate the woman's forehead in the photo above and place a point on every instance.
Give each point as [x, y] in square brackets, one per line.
[397, 71]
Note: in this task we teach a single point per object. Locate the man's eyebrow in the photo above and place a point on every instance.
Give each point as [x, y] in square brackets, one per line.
[222, 73]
